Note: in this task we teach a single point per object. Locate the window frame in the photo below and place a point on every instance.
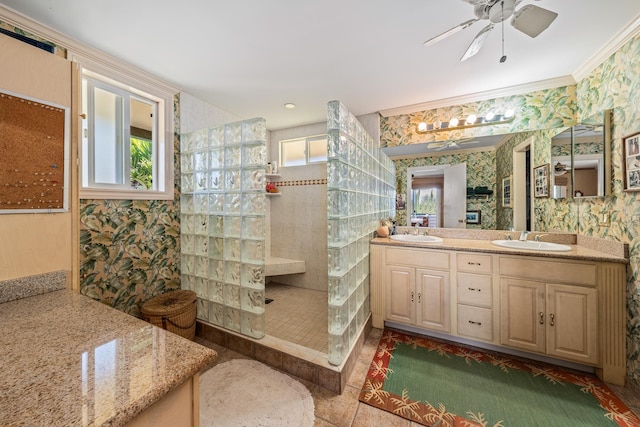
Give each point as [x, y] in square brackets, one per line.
[137, 85]
[307, 140]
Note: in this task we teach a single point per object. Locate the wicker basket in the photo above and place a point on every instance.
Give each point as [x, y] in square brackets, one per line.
[174, 311]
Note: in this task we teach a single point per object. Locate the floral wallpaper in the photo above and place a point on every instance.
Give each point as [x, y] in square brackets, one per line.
[130, 250]
[615, 84]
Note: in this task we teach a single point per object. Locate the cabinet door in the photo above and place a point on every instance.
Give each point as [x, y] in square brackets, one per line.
[400, 293]
[522, 314]
[433, 300]
[572, 319]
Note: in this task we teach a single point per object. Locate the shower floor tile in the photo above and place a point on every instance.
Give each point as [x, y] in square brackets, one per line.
[297, 315]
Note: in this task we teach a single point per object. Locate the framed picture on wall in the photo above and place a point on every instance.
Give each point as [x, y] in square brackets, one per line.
[474, 217]
[506, 192]
[541, 180]
[631, 145]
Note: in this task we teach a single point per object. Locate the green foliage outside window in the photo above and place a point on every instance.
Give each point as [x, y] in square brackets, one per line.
[141, 164]
[425, 201]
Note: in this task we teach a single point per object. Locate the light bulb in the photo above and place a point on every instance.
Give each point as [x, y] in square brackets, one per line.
[490, 116]
[471, 119]
[509, 113]
[422, 127]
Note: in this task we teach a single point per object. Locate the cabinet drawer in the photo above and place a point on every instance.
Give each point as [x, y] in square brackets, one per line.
[475, 322]
[422, 258]
[549, 271]
[474, 263]
[475, 289]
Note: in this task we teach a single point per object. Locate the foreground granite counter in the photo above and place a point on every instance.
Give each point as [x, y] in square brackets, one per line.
[67, 360]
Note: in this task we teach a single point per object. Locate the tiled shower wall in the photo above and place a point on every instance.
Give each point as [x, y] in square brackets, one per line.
[360, 192]
[223, 223]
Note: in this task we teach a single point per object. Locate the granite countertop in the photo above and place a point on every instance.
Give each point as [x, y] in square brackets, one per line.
[577, 252]
[67, 360]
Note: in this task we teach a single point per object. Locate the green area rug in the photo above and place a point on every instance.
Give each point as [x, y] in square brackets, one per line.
[441, 384]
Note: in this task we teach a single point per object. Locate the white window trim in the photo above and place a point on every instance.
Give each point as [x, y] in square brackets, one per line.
[306, 140]
[137, 83]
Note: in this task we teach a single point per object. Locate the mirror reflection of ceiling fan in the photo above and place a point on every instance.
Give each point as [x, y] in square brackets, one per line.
[530, 19]
[453, 144]
[560, 169]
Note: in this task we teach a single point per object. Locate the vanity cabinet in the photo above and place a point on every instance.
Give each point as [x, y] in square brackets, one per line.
[474, 286]
[557, 320]
[416, 295]
[568, 309]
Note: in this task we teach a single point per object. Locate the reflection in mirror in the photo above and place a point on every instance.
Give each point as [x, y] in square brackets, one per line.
[578, 157]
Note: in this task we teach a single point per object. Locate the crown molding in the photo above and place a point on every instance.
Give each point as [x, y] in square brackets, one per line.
[481, 96]
[27, 24]
[620, 39]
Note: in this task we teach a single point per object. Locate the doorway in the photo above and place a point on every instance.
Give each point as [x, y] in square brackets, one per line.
[436, 196]
[521, 187]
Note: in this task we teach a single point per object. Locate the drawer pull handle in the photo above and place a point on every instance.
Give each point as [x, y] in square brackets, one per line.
[411, 296]
[475, 323]
[475, 289]
[419, 298]
[541, 314]
[473, 263]
[553, 318]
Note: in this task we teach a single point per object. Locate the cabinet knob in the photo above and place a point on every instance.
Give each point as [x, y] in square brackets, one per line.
[553, 318]
[541, 314]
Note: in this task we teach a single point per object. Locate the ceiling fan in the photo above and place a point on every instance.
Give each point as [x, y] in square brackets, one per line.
[530, 19]
[441, 145]
[560, 169]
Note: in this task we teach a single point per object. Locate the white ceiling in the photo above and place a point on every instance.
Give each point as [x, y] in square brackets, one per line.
[249, 57]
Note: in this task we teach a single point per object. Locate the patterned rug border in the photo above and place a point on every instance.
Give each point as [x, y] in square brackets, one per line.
[372, 392]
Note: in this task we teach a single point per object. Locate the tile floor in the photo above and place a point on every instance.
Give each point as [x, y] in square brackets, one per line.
[297, 315]
[344, 410]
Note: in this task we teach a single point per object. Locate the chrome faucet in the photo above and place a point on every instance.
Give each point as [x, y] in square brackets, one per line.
[523, 235]
[538, 237]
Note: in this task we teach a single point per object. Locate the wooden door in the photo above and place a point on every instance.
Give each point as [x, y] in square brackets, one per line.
[433, 300]
[400, 285]
[572, 319]
[522, 314]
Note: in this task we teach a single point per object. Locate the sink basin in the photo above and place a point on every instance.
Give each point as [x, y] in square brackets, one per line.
[415, 239]
[532, 245]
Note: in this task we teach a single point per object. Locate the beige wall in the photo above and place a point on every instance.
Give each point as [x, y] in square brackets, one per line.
[35, 243]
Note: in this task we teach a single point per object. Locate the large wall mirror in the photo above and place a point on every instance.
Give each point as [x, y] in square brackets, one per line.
[580, 159]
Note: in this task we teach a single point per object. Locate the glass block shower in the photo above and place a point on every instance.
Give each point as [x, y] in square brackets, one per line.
[222, 226]
[360, 192]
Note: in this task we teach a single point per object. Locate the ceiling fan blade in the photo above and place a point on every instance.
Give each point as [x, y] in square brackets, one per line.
[449, 32]
[476, 44]
[532, 20]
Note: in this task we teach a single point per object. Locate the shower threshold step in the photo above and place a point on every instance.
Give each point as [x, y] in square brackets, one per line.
[275, 266]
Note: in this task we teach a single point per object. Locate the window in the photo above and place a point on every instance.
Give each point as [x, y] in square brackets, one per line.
[303, 151]
[127, 137]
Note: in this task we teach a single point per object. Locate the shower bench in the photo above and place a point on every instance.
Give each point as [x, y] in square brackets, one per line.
[275, 266]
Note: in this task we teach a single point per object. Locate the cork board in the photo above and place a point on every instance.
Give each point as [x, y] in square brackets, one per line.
[32, 155]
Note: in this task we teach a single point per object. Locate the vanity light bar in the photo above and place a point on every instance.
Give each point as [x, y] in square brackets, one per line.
[454, 123]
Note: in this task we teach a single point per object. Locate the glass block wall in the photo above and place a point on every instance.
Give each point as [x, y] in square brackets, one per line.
[222, 227]
[360, 192]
